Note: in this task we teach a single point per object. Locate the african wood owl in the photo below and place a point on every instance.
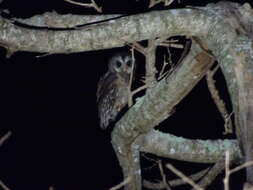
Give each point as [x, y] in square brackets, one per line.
[113, 88]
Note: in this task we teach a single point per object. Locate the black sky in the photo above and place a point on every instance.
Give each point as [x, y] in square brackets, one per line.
[49, 104]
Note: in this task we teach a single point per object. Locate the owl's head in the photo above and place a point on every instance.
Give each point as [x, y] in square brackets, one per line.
[121, 63]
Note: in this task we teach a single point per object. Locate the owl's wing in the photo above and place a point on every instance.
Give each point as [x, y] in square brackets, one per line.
[106, 98]
[106, 82]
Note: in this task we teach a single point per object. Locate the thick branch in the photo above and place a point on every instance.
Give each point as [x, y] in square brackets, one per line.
[236, 63]
[198, 151]
[116, 32]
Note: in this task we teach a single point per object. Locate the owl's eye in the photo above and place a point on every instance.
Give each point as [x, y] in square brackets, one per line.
[129, 63]
[118, 64]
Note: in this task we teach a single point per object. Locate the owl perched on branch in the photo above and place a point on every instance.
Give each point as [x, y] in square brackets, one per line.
[114, 88]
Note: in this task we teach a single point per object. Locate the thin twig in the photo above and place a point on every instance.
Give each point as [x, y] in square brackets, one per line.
[218, 101]
[139, 89]
[89, 5]
[217, 168]
[138, 47]
[168, 43]
[130, 98]
[151, 160]
[4, 138]
[184, 177]
[174, 182]
[227, 173]
[178, 46]
[154, 2]
[126, 181]
[3, 186]
[185, 51]
[168, 2]
[163, 175]
[247, 164]
[43, 55]
[165, 63]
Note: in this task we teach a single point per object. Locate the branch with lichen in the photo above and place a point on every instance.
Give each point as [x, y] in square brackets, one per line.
[129, 29]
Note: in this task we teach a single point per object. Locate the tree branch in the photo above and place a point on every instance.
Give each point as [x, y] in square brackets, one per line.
[228, 125]
[5, 137]
[174, 182]
[114, 33]
[196, 151]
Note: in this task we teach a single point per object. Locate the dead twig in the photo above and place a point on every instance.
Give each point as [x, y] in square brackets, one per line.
[227, 172]
[165, 63]
[89, 5]
[130, 98]
[247, 164]
[164, 42]
[3, 186]
[174, 182]
[149, 53]
[139, 89]
[173, 45]
[126, 181]
[4, 138]
[168, 44]
[137, 47]
[184, 177]
[218, 101]
[212, 173]
[151, 160]
[154, 2]
[167, 187]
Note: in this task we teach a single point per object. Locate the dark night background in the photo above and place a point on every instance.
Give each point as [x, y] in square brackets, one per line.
[49, 104]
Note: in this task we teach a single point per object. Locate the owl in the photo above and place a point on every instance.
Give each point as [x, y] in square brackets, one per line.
[113, 88]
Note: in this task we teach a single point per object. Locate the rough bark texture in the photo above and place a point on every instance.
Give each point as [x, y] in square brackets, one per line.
[114, 33]
[198, 151]
[236, 63]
